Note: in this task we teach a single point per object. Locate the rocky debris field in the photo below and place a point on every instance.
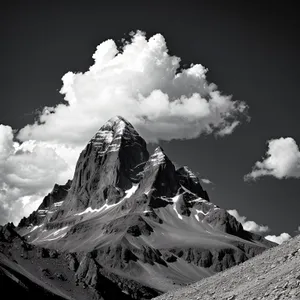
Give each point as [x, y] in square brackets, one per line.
[274, 275]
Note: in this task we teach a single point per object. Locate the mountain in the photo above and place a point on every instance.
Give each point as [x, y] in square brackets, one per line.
[31, 272]
[274, 274]
[48, 206]
[109, 165]
[130, 225]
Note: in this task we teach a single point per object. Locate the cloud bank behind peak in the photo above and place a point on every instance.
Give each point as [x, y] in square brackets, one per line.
[139, 81]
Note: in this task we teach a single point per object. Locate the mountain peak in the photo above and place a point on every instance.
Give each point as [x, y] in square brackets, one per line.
[108, 137]
[114, 157]
[190, 172]
[117, 124]
[188, 179]
[158, 157]
[126, 216]
[117, 119]
[159, 149]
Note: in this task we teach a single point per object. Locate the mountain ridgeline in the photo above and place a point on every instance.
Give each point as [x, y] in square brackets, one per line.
[128, 226]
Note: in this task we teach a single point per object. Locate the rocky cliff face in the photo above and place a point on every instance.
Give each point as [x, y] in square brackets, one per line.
[48, 206]
[32, 272]
[110, 164]
[136, 221]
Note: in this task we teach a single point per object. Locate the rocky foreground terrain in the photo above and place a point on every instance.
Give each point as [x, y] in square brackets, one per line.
[273, 275]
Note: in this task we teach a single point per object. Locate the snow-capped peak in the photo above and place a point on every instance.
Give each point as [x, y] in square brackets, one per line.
[190, 173]
[108, 138]
[158, 157]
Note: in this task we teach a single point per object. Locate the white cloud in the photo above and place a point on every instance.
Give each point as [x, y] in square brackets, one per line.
[278, 239]
[248, 225]
[260, 229]
[206, 181]
[228, 129]
[142, 83]
[28, 172]
[282, 160]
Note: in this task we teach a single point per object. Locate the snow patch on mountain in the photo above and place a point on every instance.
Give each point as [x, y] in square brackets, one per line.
[131, 191]
[188, 191]
[89, 210]
[42, 212]
[176, 199]
[35, 227]
[128, 194]
[103, 136]
[108, 138]
[158, 157]
[53, 235]
[59, 230]
[191, 174]
[198, 200]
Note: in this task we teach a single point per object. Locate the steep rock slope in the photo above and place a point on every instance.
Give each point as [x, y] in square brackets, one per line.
[138, 221]
[274, 274]
[32, 272]
[48, 206]
[110, 163]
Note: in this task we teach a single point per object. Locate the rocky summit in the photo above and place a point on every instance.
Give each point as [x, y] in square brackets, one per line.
[128, 226]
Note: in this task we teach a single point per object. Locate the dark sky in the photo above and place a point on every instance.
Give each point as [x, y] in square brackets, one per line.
[251, 51]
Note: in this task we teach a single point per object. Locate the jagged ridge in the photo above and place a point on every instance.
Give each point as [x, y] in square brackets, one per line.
[141, 219]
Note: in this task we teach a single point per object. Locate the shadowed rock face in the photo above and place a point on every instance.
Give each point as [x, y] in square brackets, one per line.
[50, 203]
[114, 157]
[189, 180]
[134, 221]
[58, 194]
[7, 233]
[159, 176]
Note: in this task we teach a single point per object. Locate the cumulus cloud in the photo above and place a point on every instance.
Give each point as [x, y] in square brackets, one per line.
[144, 84]
[139, 81]
[260, 229]
[282, 160]
[28, 172]
[278, 239]
[248, 225]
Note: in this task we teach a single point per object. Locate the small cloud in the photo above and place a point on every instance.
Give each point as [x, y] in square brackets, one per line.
[278, 239]
[206, 181]
[248, 225]
[282, 160]
[228, 129]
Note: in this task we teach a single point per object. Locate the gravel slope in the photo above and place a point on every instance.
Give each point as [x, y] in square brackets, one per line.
[274, 275]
